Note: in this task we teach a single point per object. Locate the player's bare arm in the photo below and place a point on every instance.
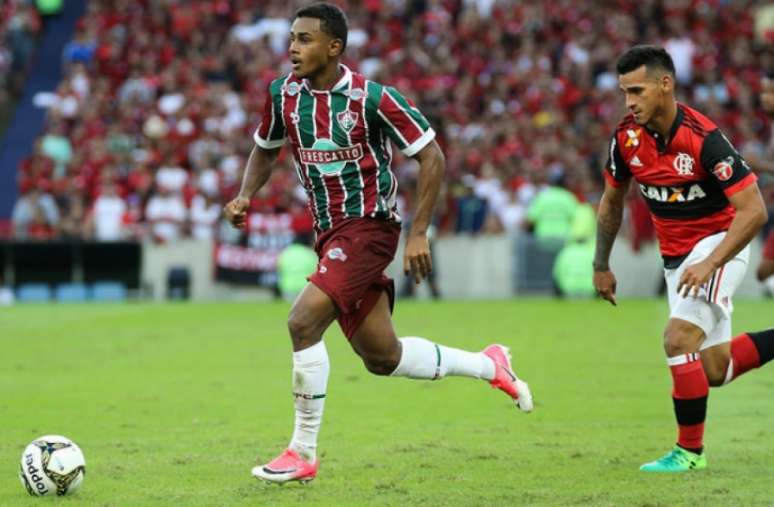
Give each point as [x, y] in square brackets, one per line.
[750, 216]
[257, 171]
[432, 166]
[609, 219]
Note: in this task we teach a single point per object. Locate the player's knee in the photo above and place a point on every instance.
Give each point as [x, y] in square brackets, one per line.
[675, 344]
[301, 328]
[381, 364]
[681, 338]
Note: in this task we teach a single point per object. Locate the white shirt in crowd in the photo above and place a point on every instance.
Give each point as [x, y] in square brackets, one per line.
[167, 215]
[109, 218]
[172, 178]
[204, 217]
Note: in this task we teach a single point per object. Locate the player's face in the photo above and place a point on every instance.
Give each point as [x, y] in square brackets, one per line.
[311, 49]
[645, 92]
[767, 95]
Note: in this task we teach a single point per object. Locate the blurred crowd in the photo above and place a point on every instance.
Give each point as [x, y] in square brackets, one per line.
[148, 132]
[20, 25]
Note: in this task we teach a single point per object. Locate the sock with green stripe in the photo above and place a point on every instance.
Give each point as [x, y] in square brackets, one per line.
[423, 359]
[310, 382]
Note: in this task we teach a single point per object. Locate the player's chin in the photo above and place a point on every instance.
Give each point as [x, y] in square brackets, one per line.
[299, 71]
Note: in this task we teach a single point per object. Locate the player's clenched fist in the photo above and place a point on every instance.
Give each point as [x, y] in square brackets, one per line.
[236, 211]
[604, 283]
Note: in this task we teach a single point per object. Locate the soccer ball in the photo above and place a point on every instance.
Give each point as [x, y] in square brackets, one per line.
[52, 465]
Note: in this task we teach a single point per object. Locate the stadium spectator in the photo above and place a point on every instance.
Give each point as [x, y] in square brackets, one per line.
[166, 214]
[551, 212]
[205, 206]
[573, 271]
[108, 216]
[35, 215]
[294, 264]
[20, 25]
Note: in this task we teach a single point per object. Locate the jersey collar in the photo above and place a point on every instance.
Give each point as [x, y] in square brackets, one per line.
[661, 143]
[341, 85]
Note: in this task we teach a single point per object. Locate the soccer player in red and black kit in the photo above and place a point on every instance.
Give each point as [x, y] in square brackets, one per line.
[707, 207]
[339, 125]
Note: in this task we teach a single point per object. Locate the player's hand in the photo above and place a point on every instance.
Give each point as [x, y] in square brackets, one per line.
[416, 258]
[605, 283]
[236, 211]
[694, 277]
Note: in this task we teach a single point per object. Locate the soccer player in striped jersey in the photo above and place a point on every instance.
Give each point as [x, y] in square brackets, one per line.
[339, 126]
[706, 207]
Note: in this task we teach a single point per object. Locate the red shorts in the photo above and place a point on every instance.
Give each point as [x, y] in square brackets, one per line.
[768, 247]
[353, 256]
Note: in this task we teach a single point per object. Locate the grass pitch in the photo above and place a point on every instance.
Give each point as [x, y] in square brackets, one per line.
[172, 404]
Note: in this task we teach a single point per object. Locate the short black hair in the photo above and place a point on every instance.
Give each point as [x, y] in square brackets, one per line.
[652, 57]
[332, 19]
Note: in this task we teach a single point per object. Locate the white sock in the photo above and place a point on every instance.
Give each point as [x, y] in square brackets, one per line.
[423, 359]
[310, 381]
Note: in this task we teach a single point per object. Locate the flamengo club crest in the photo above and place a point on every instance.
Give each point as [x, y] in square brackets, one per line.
[683, 164]
[347, 119]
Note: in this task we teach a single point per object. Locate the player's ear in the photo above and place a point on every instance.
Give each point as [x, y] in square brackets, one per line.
[336, 48]
[667, 82]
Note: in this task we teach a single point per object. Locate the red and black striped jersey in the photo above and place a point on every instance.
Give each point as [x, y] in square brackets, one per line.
[686, 181]
[341, 143]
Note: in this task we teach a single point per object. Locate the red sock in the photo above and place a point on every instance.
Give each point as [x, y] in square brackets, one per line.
[744, 355]
[689, 394]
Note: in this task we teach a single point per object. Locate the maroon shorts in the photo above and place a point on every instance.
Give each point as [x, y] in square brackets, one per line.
[768, 247]
[353, 256]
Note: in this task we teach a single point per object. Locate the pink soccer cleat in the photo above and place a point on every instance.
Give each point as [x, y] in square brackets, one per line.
[506, 380]
[286, 467]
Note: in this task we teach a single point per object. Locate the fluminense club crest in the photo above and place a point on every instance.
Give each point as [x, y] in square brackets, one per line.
[347, 119]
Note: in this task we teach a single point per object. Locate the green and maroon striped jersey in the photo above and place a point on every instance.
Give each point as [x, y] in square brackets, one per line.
[341, 142]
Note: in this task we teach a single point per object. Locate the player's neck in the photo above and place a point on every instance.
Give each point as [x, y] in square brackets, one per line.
[662, 123]
[327, 77]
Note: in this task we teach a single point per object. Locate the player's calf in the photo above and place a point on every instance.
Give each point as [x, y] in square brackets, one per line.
[715, 361]
[750, 351]
[381, 364]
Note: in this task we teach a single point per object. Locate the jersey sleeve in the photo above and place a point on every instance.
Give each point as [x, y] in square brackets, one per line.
[616, 170]
[403, 123]
[720, 159]
[271, 132]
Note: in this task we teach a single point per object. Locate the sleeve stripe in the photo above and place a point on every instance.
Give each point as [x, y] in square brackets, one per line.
[412, 111]
[264, 128]
[267, 144]
[389, 124]
[272, 127]
[741, 184]
[611, 180]
[410, 130]
[420, 143]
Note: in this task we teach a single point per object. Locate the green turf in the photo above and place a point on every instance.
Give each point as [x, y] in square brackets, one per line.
[172, 404]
